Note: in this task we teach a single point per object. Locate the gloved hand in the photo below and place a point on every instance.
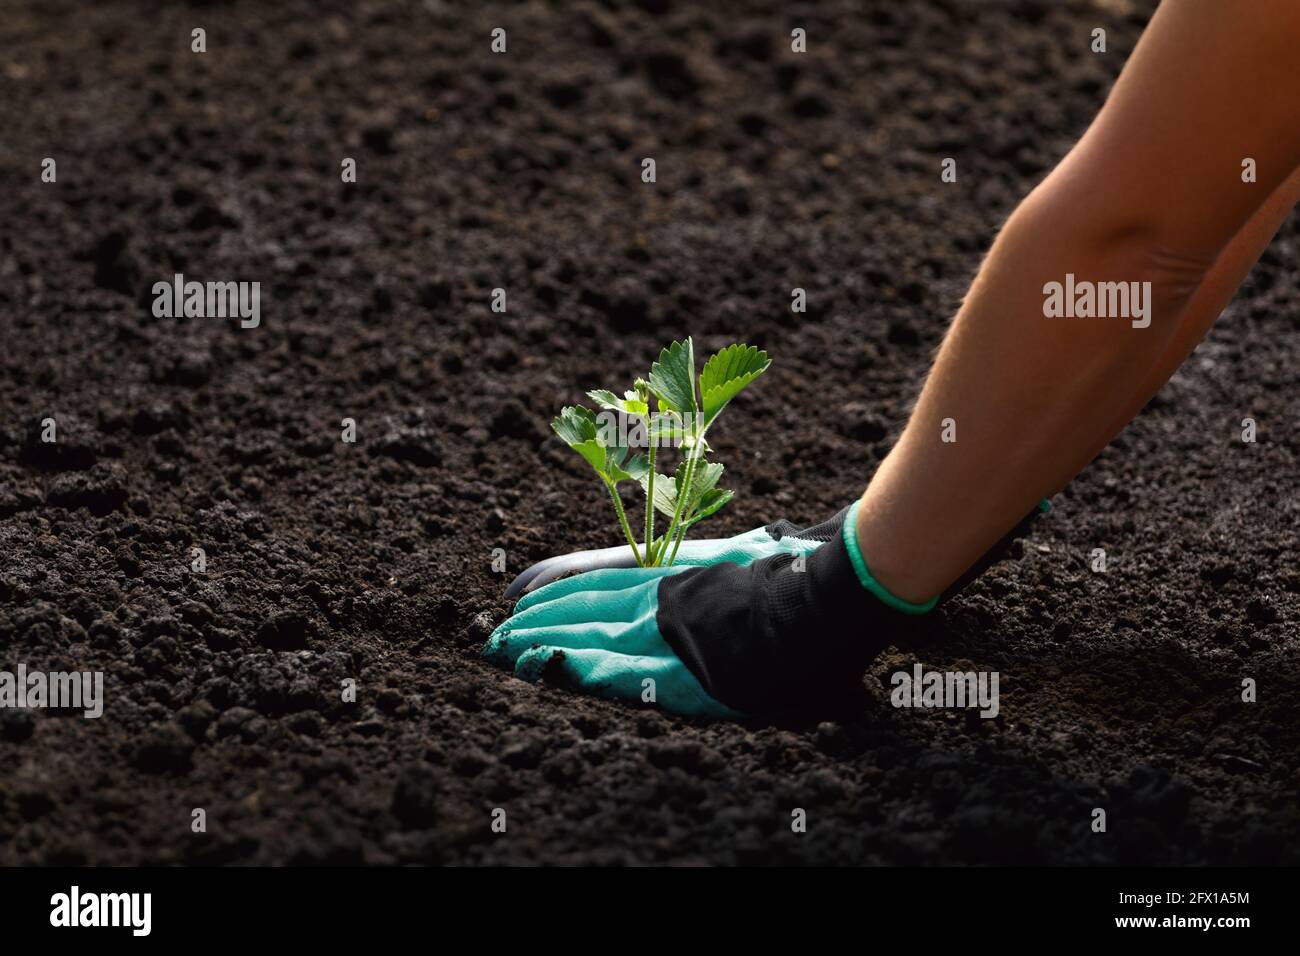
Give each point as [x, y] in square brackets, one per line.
[773, 634]
[781, 537]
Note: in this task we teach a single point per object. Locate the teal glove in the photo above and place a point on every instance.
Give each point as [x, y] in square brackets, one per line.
[761, 631]
[599, 633]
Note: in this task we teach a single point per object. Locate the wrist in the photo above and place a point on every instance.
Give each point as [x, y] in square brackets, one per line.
[892, 588]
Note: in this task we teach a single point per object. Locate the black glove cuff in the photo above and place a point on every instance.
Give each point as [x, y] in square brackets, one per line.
[779, 634]
[787, 633]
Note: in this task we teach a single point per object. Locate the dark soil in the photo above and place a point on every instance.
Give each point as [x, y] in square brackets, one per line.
[372, 561]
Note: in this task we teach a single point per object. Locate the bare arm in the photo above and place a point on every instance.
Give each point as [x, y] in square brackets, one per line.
[1215, 292]
[1151, 194]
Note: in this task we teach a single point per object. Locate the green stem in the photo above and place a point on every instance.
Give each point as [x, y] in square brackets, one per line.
[683, 492]
[622, 520]
[650, 504]
[681, 534]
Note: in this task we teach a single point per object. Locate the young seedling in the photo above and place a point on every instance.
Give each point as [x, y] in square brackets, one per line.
[682, 416]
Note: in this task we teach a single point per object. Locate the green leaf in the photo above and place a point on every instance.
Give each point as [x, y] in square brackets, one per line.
[712, 500]
[594, 452]
[575, 425]
[726, 373]
[702, 482]
[633, 404]
[672, 378]
[706, 477]
[606, 399]
[616, 468]
[638, 467]
[665, 493]
[578, 428]
[630, 404]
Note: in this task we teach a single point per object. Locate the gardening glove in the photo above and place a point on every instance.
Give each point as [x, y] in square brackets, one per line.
[782, 537]
[786, 631]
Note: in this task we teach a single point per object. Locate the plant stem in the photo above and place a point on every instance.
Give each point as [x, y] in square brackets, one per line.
[622, 520]
[683, 492]
[681, 534]
[650, 504]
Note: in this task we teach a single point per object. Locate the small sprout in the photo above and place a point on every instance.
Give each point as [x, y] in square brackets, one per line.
[685, 408]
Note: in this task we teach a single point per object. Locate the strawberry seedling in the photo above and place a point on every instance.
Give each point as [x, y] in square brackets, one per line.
[612, 440]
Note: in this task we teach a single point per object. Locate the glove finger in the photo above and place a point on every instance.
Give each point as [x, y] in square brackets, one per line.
[741, 549]
[617, 676]
[553, 568]
[590, 669]
[639, 636]
[603, 579]
[633, 600]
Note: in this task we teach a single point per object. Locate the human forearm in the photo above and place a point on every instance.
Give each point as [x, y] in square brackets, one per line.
[1028, 400]
[1215, 292]
[1153, 194]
